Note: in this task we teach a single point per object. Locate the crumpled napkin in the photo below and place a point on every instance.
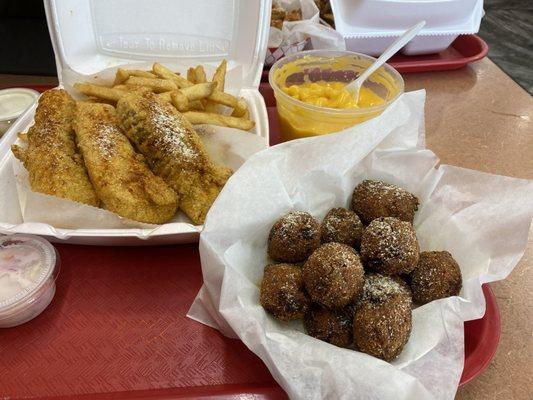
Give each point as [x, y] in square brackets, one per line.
[482, 219]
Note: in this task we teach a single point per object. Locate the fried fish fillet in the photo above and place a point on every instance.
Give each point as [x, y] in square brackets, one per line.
[122, 180]
[174, 151]
[51, 158]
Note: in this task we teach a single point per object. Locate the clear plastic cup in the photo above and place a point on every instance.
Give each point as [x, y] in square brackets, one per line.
[13, 102]
[299, 119]
[29, 266]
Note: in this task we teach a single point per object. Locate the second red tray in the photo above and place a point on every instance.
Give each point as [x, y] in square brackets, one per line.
[464, 50]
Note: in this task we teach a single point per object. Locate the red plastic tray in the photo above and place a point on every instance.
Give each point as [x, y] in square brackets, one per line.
[464, 50]
[117, 329]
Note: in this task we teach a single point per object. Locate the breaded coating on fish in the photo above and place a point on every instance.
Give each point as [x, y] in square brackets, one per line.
[51, 158]
[174, 151]
[122, 180]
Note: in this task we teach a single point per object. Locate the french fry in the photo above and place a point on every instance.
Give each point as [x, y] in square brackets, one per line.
[123, 74]
[239, 106]
[179, 100]
[211, 107]
[200, 74]
[191, 75]
[200, 77]
[165, 73]
[219, 77]
[198, 91]
[196, 105]
[165, 96]
[188, 98]
[140, 73]
[156, 84]
[220, 120]
[101, 92]
[241, 109]
[128, 88]
[223, 98]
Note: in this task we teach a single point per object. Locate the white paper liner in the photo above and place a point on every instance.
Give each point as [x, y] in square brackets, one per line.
[482, 219]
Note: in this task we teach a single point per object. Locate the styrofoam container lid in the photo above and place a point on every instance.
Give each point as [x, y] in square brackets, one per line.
[383, 18]
[14, 101]
[89, 36]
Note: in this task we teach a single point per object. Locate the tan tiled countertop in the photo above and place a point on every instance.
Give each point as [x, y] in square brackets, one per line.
[478, 118]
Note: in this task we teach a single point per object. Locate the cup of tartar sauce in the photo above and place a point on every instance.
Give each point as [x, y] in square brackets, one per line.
[13, 102]
[29, 266]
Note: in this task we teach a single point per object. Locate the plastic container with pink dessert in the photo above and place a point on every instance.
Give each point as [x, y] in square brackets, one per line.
[29, 266]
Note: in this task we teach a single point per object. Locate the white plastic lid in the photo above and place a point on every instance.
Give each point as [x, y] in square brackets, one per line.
[26, 262]
[89, 36]
[14, 101]
[382, 18]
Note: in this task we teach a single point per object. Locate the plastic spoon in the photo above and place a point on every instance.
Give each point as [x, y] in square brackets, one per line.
[355, 86]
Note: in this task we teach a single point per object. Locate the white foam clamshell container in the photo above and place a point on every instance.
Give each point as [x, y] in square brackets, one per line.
[90, 36]
[370, 26]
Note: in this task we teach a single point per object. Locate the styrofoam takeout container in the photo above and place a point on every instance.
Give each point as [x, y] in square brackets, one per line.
[91, 37]
[370, 26]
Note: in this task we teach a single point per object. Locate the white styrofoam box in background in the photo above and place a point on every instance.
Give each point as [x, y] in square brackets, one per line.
[93, 37]
[370, 26]
[372, 15]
